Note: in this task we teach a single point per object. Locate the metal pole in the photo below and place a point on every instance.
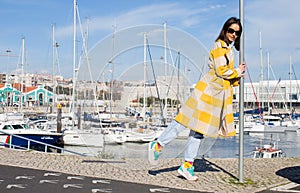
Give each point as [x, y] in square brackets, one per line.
[290, 94]
[241, 100]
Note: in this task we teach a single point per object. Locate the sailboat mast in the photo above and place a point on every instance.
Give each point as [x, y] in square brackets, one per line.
[268, 70]
[178, 82]
[165, 47]
[145, 78]
[165, 64]
[290, 75]
[261, 72]
[53, 64]
[22, 72]
[87, 57]
[112, 70]
[74, 57]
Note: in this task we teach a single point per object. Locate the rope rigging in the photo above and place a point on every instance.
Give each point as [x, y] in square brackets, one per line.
[256, 98]
[155, 82]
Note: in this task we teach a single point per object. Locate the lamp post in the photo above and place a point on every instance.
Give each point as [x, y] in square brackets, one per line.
[8, 51]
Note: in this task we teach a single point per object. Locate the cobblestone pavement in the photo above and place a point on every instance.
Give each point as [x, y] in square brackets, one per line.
[215, 175]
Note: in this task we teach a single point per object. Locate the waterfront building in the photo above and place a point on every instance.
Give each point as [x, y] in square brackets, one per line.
[281, 96]
[17, 94]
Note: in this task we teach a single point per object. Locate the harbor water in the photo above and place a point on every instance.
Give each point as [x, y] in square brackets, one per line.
[289, 142]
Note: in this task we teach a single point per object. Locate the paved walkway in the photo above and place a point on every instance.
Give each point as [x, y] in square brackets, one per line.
[215, 175]
[24, 180]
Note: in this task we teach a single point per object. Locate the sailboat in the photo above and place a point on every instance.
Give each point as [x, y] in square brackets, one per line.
[72, 129]
[139, 130]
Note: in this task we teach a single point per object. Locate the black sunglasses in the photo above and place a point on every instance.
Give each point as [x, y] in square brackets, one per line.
[231, 31]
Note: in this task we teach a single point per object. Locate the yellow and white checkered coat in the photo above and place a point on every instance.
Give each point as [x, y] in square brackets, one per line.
[209, 108]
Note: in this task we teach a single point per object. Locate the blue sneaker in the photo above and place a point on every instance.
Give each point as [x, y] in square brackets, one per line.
[187, 173]
[152, 153]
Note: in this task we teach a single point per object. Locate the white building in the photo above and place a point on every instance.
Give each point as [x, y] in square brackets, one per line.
[282, 94]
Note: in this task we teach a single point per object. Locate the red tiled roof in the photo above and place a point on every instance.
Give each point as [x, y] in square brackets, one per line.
[18, 86]
[28, 89]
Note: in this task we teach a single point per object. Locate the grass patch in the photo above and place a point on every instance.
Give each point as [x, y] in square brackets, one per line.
[235, 181]
[107, 155]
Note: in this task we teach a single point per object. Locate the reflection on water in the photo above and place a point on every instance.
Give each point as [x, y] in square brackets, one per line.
[289, 142]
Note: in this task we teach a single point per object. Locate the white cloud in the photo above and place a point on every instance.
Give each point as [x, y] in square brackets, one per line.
[174, 13]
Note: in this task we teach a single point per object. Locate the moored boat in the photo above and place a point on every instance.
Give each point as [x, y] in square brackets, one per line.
[114, 135]
[270, 124]
[15, 132]
[83, 137]
[87, 136]
[267, 152]
[140, 135]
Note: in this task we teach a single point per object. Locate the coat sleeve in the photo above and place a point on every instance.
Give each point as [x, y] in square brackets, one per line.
[222, 63]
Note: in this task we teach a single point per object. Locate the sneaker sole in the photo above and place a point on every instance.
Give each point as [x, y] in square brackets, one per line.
[151, 156]
[183, 174]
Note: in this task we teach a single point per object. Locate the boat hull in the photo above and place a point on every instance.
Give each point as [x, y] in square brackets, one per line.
[83, 138]
[25, 140]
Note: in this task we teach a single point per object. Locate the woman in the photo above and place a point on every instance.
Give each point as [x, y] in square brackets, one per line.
[208, 111]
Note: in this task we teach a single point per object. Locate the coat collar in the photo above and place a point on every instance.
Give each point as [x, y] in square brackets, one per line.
[224, 44]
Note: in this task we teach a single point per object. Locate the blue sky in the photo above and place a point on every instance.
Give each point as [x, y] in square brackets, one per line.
[277, 20]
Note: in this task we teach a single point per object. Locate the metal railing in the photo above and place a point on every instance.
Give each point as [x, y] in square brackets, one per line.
[30, 141]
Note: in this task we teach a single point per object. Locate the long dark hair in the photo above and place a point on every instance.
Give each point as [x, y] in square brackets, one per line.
[225, 27]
